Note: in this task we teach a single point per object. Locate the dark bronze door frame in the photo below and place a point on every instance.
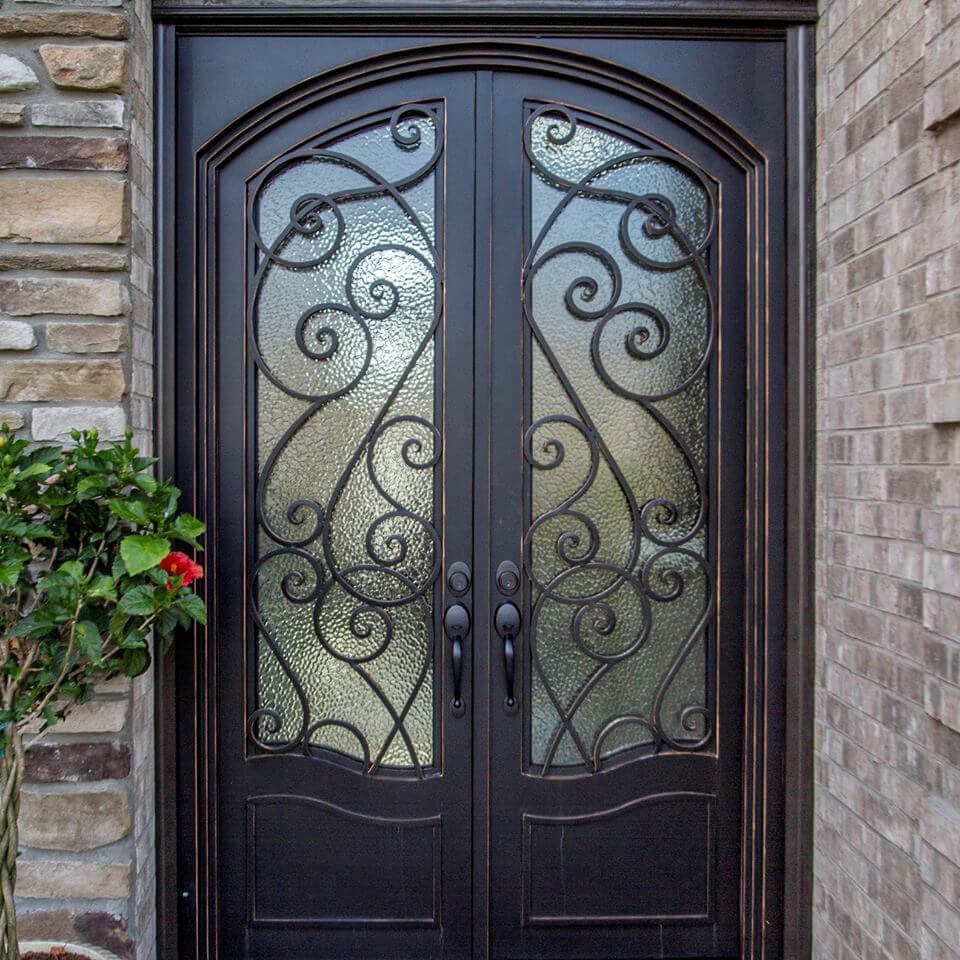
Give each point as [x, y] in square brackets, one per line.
[755, 813]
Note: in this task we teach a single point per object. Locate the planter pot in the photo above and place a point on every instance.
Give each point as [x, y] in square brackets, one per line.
[70, 950]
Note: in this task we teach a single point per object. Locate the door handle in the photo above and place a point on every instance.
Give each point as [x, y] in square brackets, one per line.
[456, 625]
[507, 623]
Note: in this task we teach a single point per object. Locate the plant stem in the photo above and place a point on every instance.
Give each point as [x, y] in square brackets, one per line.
[11, 780]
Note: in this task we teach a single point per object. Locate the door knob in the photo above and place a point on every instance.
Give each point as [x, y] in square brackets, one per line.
[507, 624]
[456, 625]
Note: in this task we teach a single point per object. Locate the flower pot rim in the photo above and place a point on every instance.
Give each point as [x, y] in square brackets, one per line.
[84, 949]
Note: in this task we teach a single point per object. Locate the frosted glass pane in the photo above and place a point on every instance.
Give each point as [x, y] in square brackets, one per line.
[618, 296]
[343, 322]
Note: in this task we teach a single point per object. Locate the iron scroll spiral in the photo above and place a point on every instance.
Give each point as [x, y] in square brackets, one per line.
[663, 571]
[382, 584]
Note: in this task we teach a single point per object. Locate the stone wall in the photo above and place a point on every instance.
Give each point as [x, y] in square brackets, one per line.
[888, 681]
[76, 349]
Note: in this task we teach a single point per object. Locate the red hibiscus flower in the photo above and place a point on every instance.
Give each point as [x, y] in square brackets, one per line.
[178, 564]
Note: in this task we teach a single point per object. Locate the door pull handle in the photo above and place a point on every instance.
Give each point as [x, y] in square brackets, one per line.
[456, 625]
[507, 623]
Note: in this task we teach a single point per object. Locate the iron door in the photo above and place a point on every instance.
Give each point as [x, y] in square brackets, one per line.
[476, 368]
[616, 747]
[342, 781]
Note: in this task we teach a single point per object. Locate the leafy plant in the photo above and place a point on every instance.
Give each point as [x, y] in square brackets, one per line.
[87, 575]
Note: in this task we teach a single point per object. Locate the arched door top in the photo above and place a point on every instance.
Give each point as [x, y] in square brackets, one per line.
[472, 55]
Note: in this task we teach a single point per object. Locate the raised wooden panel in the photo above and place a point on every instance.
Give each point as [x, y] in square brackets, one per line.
[304, 858]
[660, 849]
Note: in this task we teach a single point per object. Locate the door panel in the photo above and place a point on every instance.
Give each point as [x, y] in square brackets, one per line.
[481, 326]
[621, 770]
[337, 764]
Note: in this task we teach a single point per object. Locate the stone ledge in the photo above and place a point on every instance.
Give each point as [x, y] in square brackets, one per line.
[15, 75]
[102, 66]
[78, 113]
[30, 296]
[105, 26]
[11, 114]
[39, 380]
[74, 822]
[55, 423]
[73, 880]
[77, 762]
[12, 419]
[62, 210]
[17, 335]
[87, 337]
[63, 153]
[95, 716]
[27, 259]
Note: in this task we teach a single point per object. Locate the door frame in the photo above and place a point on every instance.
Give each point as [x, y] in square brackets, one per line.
[790, 21]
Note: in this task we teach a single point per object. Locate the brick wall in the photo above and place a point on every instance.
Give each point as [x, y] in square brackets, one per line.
[888, 679]
[76, 349]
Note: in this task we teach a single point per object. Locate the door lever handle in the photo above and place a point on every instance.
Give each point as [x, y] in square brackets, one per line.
[507, 624]
[456, 625]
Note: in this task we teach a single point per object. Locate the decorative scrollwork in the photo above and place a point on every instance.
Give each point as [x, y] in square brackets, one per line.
[355, 604]
[615, 601]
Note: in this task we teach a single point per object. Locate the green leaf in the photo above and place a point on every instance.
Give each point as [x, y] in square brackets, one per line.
[72, 569]
[89, 487]
[134, 661]
[169, 619]
[140, 553]
[146, 482]
[32, 470]
[36, 531]
[140, 601]
[12, 525]
[10, 573]
[187, 527]
[39, 623]
[87, 640]
[131, 640]
[55, 497]
[193, 605]
[172, 495]
[133, 511]
[104, 587]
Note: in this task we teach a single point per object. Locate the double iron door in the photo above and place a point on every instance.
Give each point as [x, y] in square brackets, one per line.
[478, 339]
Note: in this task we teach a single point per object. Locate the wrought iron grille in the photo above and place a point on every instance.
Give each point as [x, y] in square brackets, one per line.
[342, 318]
[620, 301]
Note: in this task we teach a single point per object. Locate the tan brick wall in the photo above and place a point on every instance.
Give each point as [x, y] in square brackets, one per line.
[888, 679]
[76, 349]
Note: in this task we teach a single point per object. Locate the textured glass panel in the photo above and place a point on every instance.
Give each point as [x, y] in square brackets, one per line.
[619, 299]
[342, 327]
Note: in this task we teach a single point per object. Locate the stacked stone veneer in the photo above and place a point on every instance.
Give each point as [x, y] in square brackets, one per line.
[888, 685]
[76, 351]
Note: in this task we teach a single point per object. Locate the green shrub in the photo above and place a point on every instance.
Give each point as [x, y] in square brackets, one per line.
[88, 575]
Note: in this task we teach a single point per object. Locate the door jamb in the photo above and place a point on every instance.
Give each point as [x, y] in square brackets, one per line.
[800, 512]
[789, 21]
